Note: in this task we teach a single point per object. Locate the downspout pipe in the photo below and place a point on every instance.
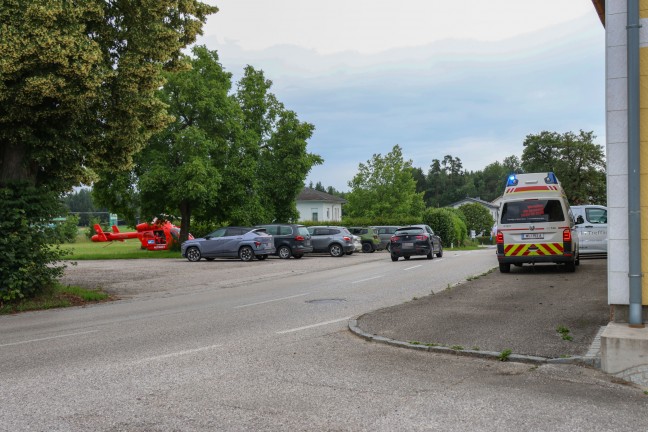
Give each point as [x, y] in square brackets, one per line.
[634, 180]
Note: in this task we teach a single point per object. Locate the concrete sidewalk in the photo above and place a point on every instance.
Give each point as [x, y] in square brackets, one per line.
[520, 311]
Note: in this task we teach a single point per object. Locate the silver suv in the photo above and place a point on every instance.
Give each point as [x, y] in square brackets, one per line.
[336, 240]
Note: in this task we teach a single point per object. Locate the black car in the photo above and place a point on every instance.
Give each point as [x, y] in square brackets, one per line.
[289, 239]
[415, 240]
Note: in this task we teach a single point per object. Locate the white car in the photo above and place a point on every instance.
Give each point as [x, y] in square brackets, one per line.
[592, 230]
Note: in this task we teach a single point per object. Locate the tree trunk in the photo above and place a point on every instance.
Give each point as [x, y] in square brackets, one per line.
[13, 167]
[185, 214]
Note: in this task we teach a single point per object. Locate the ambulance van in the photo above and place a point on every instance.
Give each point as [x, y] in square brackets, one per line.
[535, 223]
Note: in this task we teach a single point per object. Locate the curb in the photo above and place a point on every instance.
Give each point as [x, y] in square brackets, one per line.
[492, 355]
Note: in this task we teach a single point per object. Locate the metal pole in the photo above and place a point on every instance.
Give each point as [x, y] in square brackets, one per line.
[634, 179]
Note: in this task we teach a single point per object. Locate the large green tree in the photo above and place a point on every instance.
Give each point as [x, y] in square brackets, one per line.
[384, 188]
[578, 162]
[77, 93]
[478, 218]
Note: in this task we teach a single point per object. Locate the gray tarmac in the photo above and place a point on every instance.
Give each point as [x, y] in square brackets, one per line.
[520, 311]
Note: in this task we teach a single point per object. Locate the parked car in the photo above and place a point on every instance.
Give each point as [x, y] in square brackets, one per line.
[415, 240]
[289, 239]
[357, 242]
[230, 242]
[369, 238]
[385, 233]
[335, 240]
[591, 225]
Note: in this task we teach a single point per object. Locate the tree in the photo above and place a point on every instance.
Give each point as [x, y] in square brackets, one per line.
[478, 218]
[77, 93]
[384, 188]
[578, 163]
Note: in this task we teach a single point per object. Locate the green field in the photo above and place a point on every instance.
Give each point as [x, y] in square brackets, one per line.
[84, 249]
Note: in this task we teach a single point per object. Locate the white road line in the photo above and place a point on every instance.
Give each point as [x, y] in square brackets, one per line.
[410, 268]
[270, 301]
[48, 338]
[313, 325]
[368, 279]
[176, 354]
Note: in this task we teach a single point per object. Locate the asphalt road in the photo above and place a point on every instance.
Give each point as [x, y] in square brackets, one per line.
[234, 346]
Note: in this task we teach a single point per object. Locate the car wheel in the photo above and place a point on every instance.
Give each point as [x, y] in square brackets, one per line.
[430, 255]
[193, 254]
[394, 257]
[440, 253]
[246, 253]
[336, 250]
[505, 268]
[284, 252]
[406, 257]
[262, 257]
[366, 247]
[297, 256]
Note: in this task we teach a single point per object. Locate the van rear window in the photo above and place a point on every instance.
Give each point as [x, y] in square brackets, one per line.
[532, 211]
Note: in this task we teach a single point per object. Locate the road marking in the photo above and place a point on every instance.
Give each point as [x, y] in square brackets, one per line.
[48, 338]
[314, 325]
[368, 279]
[176, 354]
[270, 301]
[410, 268]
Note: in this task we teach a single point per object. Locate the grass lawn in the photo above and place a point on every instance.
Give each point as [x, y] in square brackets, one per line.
[57, 296]
[84, 249]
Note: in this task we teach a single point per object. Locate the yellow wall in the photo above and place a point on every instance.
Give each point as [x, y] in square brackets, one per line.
[643, 119]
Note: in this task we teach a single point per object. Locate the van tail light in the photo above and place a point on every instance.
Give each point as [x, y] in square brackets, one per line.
[500, 238]
[299, 238]
[394, 239]
[567, 236]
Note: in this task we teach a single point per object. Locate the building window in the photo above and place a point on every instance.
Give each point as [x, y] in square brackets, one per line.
[315, 216]
[328, 214]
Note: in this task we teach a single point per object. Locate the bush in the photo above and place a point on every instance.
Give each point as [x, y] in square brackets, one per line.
[67, 231]
[447, 225]
[90, 231]
[29, 250]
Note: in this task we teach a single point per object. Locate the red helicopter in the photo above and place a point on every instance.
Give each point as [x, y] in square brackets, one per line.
[157, 235]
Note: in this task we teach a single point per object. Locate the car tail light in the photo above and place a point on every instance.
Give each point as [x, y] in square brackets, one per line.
[347, 238]
[567, 237]
[257, 244]
[421, 237]
[299, 238]
[395, 238]
[500, 238]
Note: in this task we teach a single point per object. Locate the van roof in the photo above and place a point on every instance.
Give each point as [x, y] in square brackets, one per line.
[533, 185]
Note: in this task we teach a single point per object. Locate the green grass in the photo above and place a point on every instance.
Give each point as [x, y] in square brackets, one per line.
[84, 249]
[57, 296]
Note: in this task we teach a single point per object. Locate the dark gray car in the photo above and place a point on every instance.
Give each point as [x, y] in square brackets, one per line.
[230, 242]
[289, 239]
[335, 240]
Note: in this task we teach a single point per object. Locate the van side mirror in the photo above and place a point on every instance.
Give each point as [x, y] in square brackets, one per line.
[580, 220]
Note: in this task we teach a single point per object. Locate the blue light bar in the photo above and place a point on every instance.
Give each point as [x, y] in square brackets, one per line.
[512, 180]
[551, 178]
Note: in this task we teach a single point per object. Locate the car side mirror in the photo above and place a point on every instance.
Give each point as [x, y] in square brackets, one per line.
[580, 220]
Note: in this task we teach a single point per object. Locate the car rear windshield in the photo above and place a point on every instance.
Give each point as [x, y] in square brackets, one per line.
[532, 211]
[409, 231]
[303, 231]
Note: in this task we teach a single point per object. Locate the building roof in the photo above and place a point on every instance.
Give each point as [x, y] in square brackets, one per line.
[469, 200]
[599, 5]
[310, 194]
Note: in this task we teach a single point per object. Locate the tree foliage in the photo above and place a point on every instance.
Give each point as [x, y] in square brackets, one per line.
[384, 188]
[77, 93]
[478, 218]
[447, 225]
[578, 163]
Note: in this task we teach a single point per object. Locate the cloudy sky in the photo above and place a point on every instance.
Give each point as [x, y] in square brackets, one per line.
[469, 78]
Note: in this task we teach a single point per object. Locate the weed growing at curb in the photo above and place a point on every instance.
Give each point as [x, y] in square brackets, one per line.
[432, 344]
[414, 342]
[564, 333]
[475, 348]
[457, 347]
[504, 355]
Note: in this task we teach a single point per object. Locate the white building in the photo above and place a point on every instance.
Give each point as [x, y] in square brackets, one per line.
[317, 206]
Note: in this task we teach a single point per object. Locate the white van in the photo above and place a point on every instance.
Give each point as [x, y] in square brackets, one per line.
[592, 230]
[535, 223]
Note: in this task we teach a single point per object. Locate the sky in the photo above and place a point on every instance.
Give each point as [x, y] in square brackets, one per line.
[467, 78]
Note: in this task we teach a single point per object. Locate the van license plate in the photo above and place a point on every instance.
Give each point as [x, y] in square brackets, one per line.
[534, 236]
